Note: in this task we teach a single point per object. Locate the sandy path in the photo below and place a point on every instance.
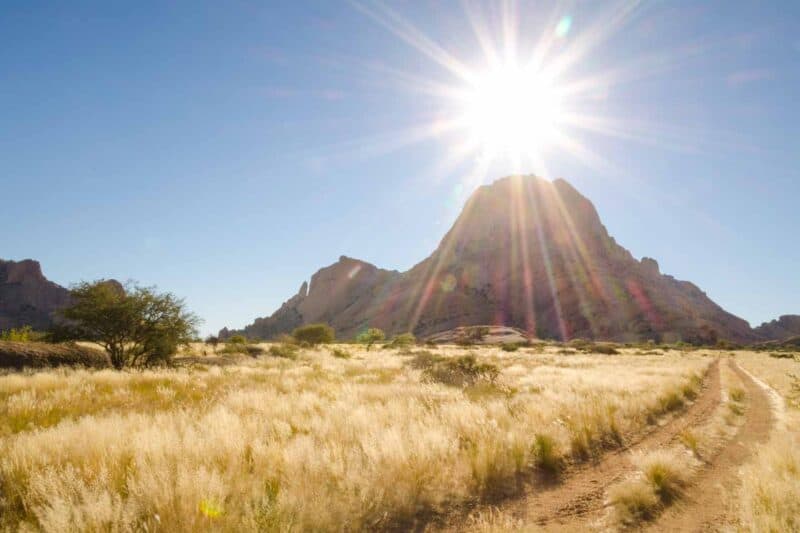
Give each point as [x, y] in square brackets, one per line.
[578, 497]
[579, 500]
[704, 507]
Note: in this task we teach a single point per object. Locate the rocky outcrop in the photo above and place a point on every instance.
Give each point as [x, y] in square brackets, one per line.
[785, 327]
[27, 298]
[525, 253]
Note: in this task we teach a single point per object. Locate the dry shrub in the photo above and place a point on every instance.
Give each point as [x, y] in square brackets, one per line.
[460, 371]
[288, 351]
[340, 353]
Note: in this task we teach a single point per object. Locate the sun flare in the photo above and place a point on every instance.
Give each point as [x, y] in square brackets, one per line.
[511, 110]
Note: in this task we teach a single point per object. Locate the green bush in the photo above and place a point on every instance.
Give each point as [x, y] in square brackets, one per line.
[509, 347]
[403, 340]
[237, 339]
[314, 334]
[23, 334]
[370, 337]
[288, 351]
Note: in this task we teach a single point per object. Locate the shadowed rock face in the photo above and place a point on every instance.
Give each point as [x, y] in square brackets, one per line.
[526, 253]
[27, 297]
[783, 328]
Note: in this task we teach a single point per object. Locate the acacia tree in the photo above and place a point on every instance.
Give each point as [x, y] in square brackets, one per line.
[135, 325]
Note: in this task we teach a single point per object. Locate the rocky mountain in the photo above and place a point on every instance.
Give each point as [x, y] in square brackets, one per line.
[783, 328]
[27, 297]
[526, 253]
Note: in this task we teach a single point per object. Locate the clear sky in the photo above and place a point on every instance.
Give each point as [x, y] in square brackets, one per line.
[225, 151]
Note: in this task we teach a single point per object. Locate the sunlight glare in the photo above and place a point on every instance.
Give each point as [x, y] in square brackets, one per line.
[512, 110]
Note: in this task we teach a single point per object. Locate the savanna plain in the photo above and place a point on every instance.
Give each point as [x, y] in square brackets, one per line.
[345, 438]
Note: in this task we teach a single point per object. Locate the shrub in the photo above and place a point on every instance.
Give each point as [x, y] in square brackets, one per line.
[403, 340]
[461, 371]
[314, 334]
[212, 341]
[254, 350]
[370, 337]
[339, 353]
[509, 347]
[237, 339]
[289, 351]
[135, 325]
[23, 334]
[605, 349]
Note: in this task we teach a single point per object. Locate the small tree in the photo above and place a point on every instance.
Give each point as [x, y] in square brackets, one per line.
[314, 334]
[212, 341]
[370, 337]
[135, 325]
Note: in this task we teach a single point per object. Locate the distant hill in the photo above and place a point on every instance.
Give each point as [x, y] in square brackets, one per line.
[27, 298]
[783, 328]
[524, 253]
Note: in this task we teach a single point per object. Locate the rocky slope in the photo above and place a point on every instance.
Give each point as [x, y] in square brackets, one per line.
[783, 328]
[27, 297]
[526, 253]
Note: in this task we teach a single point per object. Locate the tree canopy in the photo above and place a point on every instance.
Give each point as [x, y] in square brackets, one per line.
[135, 325]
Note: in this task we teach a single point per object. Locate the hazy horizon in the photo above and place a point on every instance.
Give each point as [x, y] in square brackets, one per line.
[225, 153]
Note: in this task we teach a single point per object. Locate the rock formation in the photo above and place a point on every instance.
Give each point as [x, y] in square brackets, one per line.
[783, 328]
[526, 253]
[27, 298]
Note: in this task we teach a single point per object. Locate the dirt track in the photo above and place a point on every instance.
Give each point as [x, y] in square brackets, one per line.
[704, 507]
[577, 501]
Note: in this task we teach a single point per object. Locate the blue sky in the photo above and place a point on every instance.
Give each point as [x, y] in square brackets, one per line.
[225, 151]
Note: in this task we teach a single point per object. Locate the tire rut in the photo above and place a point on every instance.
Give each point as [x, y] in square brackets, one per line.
[581, 491]
[703, 507]
[569, 505]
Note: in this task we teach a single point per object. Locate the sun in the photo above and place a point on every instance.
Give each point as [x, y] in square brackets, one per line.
[511, 110]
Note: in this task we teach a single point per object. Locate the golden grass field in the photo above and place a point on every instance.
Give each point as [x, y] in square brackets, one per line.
[323, 443]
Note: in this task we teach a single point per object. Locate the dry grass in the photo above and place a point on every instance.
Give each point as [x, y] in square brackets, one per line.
[313, 443]
[660, 479]
[769, 498]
